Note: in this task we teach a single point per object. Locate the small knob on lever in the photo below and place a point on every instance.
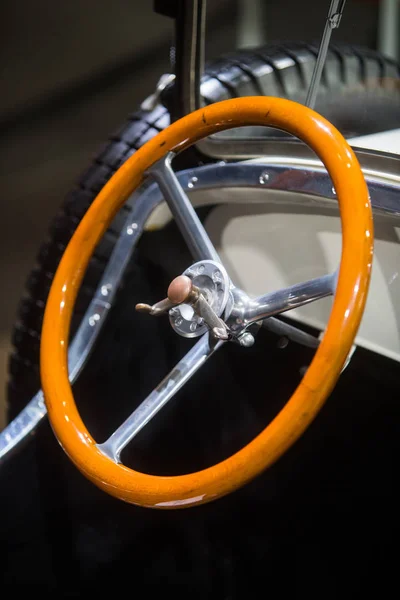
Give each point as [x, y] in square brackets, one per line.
[180, 290]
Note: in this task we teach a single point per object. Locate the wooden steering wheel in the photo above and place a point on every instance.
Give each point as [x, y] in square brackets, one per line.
[101, 463]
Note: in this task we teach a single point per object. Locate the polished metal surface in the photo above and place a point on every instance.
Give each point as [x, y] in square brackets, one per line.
[151, 101]
[184, 214]
[302, 174]
[246, 339]
[242, 148]
[203, 311]
[302, 178]
[244, 311]
[291, 297]
[211, 320]
[159, 397]
[193, 310]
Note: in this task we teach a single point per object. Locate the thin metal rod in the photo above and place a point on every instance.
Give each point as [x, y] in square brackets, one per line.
[295, 334]
[332, 22]
[190, 27]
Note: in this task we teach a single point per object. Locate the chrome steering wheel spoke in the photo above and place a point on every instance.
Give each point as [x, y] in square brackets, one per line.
[163, 393]
[285, 299]
[182, 210]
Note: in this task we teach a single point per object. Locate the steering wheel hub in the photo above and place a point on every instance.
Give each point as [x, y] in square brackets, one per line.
[212, 281]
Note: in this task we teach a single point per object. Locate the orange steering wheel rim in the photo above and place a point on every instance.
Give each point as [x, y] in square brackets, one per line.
[348, 305]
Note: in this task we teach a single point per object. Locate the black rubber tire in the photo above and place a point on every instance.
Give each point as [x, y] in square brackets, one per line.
[352, 77]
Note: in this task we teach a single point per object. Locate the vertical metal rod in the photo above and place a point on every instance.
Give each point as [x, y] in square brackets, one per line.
[389, 28]
[186, 218]
[332, 22]
[250, 24]
[190, 36]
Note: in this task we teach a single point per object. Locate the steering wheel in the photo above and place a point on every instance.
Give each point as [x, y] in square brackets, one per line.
[202, 302]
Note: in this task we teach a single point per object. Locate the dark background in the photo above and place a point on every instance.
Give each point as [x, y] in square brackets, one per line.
[70, 74]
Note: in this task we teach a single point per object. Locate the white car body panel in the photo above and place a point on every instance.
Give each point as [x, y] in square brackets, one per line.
[285, 247]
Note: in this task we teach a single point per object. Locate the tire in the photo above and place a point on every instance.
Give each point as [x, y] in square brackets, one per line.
[351, 75]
